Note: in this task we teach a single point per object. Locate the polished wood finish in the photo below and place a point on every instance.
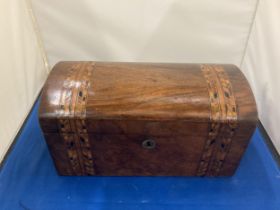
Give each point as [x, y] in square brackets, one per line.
[102, 118]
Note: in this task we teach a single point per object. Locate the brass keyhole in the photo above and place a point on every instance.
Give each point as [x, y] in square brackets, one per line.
[149, 144]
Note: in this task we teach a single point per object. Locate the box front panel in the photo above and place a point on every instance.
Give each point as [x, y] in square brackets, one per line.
[150, 151]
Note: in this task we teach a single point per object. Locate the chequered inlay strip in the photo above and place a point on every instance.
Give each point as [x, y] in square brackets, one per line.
[223, 120]
[72, 118]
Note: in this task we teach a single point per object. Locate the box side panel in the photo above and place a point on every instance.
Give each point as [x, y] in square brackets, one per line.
[246, 121]
[232, 105]
[238, 146]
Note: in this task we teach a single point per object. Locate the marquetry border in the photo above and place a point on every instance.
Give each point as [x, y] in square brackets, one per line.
[72, 118]
[223, 120]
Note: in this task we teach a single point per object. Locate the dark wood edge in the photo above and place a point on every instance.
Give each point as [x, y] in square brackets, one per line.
[2, 163]
[269, 143]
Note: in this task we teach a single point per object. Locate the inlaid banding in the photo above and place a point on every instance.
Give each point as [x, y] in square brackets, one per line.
[223, 120]
[72, 118]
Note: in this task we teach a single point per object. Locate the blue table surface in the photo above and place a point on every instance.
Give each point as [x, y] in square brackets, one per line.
[28, 180]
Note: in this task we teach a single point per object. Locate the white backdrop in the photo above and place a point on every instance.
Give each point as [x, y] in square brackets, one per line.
[22, 71]
[220, 31]
[262, 66]
[145, 30]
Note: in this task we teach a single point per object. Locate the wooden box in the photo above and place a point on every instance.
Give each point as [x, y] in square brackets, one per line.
[147, 119]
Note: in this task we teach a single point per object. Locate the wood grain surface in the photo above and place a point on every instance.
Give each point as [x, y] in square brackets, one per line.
[99, 118]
